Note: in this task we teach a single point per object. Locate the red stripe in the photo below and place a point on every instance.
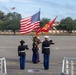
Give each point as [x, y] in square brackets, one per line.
[26, 25]
[33, 26]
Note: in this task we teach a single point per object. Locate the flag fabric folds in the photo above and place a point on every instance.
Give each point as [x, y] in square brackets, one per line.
[29, 24]
[46, 27]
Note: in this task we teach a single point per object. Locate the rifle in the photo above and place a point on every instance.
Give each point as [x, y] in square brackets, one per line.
[32, 37]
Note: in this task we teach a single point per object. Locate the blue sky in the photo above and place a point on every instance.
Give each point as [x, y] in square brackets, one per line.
[49, 8]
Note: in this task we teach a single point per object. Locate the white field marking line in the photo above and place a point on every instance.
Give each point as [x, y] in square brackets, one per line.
[42, 72]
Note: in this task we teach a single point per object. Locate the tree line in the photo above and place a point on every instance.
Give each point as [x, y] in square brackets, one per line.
[11, 21]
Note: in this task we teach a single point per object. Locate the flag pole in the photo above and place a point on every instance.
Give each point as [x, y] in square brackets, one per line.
[39, 9]
[37, 33]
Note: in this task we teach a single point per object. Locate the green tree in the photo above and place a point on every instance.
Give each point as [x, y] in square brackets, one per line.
[2, 15]
[12, 21]
[74, 22]
[1, 25]
[66, 24]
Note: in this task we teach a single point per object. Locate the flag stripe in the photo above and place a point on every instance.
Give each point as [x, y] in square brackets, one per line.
[30, 27]
[36, 24]
[29, 24]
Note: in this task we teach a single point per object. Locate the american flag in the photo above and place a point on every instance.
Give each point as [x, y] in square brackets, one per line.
[29, 24]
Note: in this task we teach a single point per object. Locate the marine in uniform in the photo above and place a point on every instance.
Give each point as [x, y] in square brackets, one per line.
[35, 48]
[22, 54]
[46, 51]
[35, 58]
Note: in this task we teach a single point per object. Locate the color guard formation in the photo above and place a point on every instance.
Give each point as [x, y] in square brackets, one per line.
[35, 51]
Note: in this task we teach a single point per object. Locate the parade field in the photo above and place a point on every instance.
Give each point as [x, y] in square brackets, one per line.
[65, 46]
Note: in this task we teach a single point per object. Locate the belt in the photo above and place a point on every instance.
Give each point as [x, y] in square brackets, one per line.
[21, 51]
[46, 47]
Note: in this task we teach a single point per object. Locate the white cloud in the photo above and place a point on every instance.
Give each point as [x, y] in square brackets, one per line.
[21, 0]
[4, 0]
[15, 0]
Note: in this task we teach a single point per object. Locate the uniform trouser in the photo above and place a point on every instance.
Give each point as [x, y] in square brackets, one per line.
[22, 62]
[38, 57]
[46, 61]
[35, 57]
